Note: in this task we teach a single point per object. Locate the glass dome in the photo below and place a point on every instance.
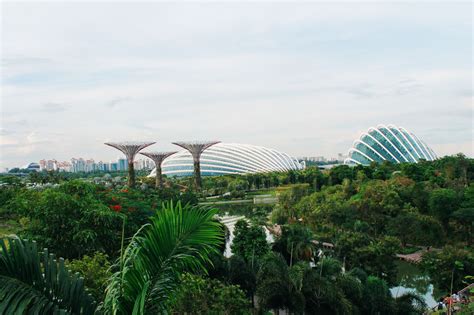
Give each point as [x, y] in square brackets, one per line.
[230, 158]
[388, 143]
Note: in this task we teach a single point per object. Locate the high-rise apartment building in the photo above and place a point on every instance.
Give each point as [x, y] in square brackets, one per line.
[122, 164]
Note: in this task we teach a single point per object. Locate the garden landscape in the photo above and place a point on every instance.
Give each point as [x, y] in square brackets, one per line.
[95, 246]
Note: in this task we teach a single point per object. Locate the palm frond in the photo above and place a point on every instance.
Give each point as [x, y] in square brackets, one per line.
[177, 239]
[37, 283]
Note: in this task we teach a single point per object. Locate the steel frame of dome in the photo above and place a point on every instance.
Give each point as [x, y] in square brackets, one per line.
[230, 158]
[388, 143]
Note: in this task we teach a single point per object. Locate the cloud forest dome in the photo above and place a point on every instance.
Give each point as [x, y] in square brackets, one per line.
[388, 143]
[230, 158]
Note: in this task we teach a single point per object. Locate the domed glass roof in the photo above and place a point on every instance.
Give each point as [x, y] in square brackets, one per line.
[388, 143]
[230, 158]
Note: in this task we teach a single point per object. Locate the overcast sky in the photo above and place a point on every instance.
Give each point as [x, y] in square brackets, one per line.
[303, 78]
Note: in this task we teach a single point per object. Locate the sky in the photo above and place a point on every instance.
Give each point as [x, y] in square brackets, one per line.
[305, 78]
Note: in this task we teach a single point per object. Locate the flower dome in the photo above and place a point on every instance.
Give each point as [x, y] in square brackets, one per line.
[388, 143]
[230, 158]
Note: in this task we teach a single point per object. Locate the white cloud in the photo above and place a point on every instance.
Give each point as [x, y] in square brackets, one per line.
[302, 78]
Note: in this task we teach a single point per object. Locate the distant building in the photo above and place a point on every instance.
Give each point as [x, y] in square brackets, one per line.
[64, 166]
[32, 167]
[313, 158]
[78, 165]
[106, 167]
[144, 164]
[89, 165]
[47, 165]
[122, 165]
[341, 157]
[114, 166]
[42, 165]
[100, 166]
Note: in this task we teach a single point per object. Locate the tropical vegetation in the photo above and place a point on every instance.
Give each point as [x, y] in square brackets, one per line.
[336, 236]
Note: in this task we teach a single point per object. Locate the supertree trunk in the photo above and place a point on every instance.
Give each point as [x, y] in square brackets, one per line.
[158, 158]
[158, 178]
[130, 149]
[131, 175]
[197, 175]
[196, 148]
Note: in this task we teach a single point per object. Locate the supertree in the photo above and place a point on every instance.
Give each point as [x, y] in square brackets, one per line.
[158, 158]
[130, 149]
[196, 148]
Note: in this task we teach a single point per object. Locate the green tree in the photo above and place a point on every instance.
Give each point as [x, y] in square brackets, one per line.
[250, 242]
[339, 173]
[409, 304]
[413, 170]
[448, 268]
[243, 274]
[346, 244]
[289, 197]
[376, 203]
[199, 295]
[96, 272]
[328, 291]
[273, 283]
[296, 242]
[71, 222]
[178, 239]
[378, 258]
[443, 202]
[383, 170]
[464, 216]
[378, 299]
[414, 228]
[375, 256]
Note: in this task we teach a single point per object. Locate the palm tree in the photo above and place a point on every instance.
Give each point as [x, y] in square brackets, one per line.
[273, 283]
[410, 303]
[37, 283]
[178, 239]
[299, 242]
[280, 286]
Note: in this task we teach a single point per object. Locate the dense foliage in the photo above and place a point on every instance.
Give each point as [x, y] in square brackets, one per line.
[96, 271]
[35, 282]
[249, 242]
[77, 218]
[177, 240]
[336, 236]
[199, 295]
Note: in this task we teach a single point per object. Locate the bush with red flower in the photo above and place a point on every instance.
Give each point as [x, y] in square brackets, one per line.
[116, 208]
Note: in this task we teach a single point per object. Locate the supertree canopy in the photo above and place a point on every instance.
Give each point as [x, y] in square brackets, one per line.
[130, 149]
[196, 148]
[158, 158]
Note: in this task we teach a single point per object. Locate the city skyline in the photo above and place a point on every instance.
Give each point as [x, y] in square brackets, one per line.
[52, 164]
[302, 78]
[89, 164]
